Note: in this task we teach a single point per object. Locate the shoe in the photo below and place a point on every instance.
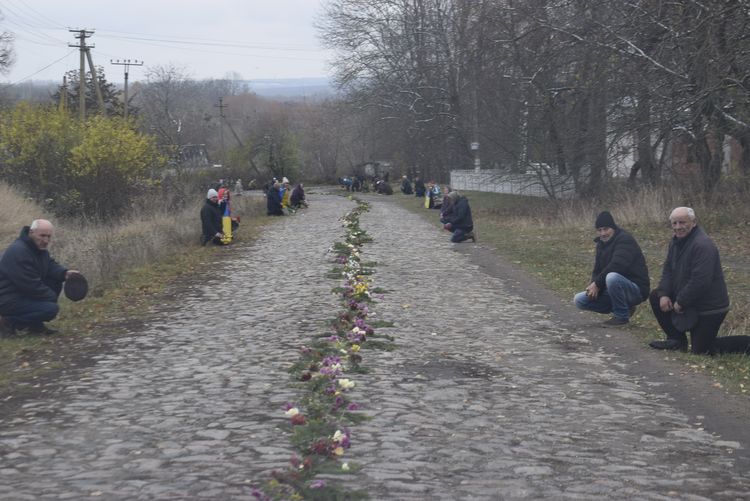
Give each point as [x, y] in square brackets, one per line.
[42, 330]
[6, 328]
[614, 321]
[669, 344]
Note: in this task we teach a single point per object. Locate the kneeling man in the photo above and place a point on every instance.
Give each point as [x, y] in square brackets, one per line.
[30, 281]
[620, 280]
[692, 294]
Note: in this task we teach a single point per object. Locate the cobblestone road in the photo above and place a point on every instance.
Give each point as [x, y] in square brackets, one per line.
[486, 397]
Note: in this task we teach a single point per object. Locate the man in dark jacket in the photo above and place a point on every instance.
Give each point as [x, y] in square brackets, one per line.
[619, 281]
[273, 201]
[406, 186]
[211, 215]
[459, 221]
[692, 294]
[30, 281]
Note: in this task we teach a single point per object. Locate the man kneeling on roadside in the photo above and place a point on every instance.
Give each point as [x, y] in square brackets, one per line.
[620, 280]
[459, 221]
[30, 281]
[692, 294]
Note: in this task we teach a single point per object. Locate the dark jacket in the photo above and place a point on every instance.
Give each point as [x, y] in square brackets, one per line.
[692, 274]
[273, 202]
[211, 215]
[298, 196]
[460, 217]
[406, 187]
[27, 272]
[419, 188]
[621, 254]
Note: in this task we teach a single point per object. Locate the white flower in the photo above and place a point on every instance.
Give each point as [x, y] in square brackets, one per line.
[338, 436]
[346, 384]
[292, 412]
[345, 467]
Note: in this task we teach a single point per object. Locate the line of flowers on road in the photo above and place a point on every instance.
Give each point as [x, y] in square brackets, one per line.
[322, 418]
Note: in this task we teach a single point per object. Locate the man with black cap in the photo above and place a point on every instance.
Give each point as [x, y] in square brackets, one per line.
[30, 281]
[620, 279]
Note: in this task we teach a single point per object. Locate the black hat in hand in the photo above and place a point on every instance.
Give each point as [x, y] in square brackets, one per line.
[76, 287]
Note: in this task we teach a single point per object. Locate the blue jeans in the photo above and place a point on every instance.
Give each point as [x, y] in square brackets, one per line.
[33, 312]
[619, 295]
[29, 312]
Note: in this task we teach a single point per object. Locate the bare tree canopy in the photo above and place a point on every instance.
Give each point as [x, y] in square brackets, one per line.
[574, 85]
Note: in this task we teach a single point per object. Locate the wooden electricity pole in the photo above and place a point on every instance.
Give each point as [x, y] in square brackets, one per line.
[127, 63]
[82, 35]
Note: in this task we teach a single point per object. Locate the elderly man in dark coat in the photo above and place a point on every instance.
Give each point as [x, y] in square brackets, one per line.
[619, 281]
[211, 215]
[30, 281]
[692, 294]
[459, 221]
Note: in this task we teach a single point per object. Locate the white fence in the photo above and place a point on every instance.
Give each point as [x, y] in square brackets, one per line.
[501, 181]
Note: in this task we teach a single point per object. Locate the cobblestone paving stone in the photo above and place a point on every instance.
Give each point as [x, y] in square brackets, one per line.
[486, 396]
[190, 408]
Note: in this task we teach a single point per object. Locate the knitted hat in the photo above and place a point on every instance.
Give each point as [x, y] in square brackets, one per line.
[212, 193]
[453, 195]
[605, 220]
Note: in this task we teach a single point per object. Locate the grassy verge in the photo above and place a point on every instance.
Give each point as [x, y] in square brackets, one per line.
[127, 295]
[555, 243]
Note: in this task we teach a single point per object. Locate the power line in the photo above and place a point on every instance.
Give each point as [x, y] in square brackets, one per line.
[147, 37]
[42, 69]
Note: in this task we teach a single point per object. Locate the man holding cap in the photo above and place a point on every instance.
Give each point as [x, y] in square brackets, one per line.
[30, 281]
[620, 279]
[692, 294]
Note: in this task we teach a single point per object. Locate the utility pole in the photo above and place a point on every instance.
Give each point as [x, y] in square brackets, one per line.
[221, 107]
[63, 105]
[82, 35]
[127, 63]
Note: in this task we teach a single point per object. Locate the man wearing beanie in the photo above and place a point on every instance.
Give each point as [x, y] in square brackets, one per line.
[211, 215]
[620, 280]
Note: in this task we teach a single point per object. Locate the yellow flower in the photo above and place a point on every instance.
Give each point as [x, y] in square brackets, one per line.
[339, 451]
[355, 348]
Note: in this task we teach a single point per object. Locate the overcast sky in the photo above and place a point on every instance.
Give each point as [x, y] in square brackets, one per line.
[257, 39]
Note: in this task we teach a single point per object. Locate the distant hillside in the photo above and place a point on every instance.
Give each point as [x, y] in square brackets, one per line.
[292, 87]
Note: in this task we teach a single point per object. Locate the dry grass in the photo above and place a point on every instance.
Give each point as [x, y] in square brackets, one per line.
[103, 251]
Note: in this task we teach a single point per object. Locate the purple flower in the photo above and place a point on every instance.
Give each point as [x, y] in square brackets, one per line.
[317, 484]
[352, 407]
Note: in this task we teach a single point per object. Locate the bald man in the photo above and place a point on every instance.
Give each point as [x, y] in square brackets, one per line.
[692, 294]
[30, 281]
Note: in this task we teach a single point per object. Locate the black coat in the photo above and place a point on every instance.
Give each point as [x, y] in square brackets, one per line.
[460, 217]
[211, 215]
[27, 272]
[692, 274]
[273, 203]
[621, 254]
[297, 196]
[419, 188]
[406, 187]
